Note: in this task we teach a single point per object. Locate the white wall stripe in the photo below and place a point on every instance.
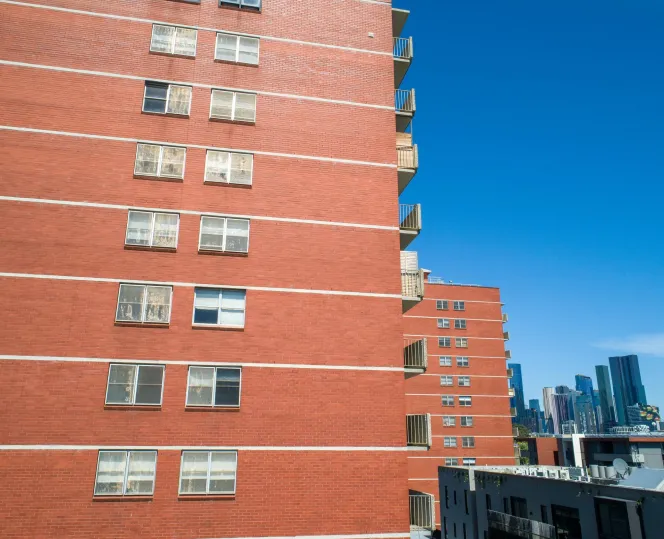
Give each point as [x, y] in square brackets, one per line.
[66, 359]
[422, 479]
[469, 434]
[456, 395]
[460, 336]
[187, 83]
[355, 536]
[465, 300]
[467, 457]
[463, 415]
[470, 357]
[197, 146]
[192, 285]
[465, 370]
[442, 315]
[76, 447]
[191, 212]
[202, 28]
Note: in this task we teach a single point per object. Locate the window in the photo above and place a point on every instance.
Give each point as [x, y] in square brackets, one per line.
[506, 506]
[226, 167]
[219, 307]
[449, 441]
[545, 514]
[244, 4]
[467, 441]
[519, 507]
[488, 501]
[213, 386]
[125, 473]
[447, 499]
[443, 323]
[223, 234]
[459, 324]
[461, 342]
[466, 421]
[464, 381]
[469, 462]
[459, 305]
[161, 98]
[465, 401]
[175, 40]
[444, 342]
[208, 472]
[160, 161]
[152, 229]
[451, 462]
[464, 524]
[448, 400]
[446, 381]
[238, 49]
[445, 361]
[442, 304]
[465, 503]
[140, 385]
[462, 361]
[233, 106]
[449, 421]
[144, 304]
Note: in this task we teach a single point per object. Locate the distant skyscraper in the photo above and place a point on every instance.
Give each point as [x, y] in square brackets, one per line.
[584, 384]
[605, 397]
[584, 414]
[534, 404]
[627, 386]
[547, 403]
[516, 382]
[534, 416]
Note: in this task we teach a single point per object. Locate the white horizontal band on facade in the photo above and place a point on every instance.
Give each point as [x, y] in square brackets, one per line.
[473, 435]
[67, 359]
[191, 212]
[10, 275]
[464, 415]
[345, 536]
[196, 146]
[201, 28]
[464, 457]
[455, 395]
[422, 479]
[464, 300]
[453, 318]
[60, 69]
[459, 336]
[469, 357]
[469, 373]
[76, 447]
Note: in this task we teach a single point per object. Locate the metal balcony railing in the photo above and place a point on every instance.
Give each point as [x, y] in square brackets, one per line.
[506, 335]
[415, 353]
[404, 101]
[508, 354]
[412, 283]
[517, 452]
[422, 511]
[407, 156]
[510, 373]
[511, 392]
[403, 48]
[410, 217]
[505, 317]
[418, 430]
[515, 432]
[513, 412]
[520, 527]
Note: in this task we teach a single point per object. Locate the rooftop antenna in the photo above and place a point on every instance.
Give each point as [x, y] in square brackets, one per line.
[622, 469]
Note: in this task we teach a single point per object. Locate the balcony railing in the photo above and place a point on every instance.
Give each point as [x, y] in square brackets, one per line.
[415, 353]
[418, 430]
[511, 392]
[513, 412]
[515, 432]
[412, 283]
[508, 354]
[517, 452]
[410, 217]
[422, 511]
[506, 335]
[510, 372]
[403, 48]
[407, 156]
[404, 101]
[520, 527]
[505, 317]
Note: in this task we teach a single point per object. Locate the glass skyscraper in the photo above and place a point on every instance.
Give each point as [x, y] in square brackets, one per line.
[516, 382]
[605, 396]
[628, 389]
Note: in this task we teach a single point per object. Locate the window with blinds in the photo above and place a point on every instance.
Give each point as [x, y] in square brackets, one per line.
[152, 229]
[153, 160]
[175, 40]
[135, 384]
[227, 167]
[162, 98]
[219, 307]
[149, 304]
[233, 106]
[125, 473]
[214, 386]
[237, 49]
[208, 472]
[224, 235]
[243, 4]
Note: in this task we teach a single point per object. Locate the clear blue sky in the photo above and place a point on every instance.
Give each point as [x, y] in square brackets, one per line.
[540, 128]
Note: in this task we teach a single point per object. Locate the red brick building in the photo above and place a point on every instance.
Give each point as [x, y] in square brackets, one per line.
[189, 346]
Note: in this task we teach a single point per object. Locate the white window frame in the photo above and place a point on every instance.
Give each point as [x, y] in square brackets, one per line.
[240, 4]
[447, 398]
[152, 229]
[460, 323]
[449, 421]
[220, 290]
[172, 52]
[469, 461]
[450, 461]
[449, 441]
[442, 305]
[237, 48]
[214, 387]
[463, 361]
[447, 342]
[463, 381]
[468, 442]
[168, 96]
[137, 366]
[465, 401]
[443, 323]
[232, 118]
[466, 421]
[144, 304]
[446, 380]
[127, 453]
[160, 162]
[461, 342]
[459, 305]
[223, 247]
[230, 169]
[207, 482]
[445, 361]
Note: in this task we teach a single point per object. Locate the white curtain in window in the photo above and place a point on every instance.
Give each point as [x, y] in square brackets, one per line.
[216, 166]
[248, 53]
[245, 107]
[139, 228]
[201, 384]
[222, 472]
[165, 230]
[222, 105]
[158, 304]
[179, 100]
[232, 308]
[237, 235]
[120, 388]
[130, 303]
[141, 472]
[226, 47]
[241, 168]
[162, 38]
[194, 472]
[185, 41]
[212, 233]
[172, 163]
[111, 472]
[147, 160]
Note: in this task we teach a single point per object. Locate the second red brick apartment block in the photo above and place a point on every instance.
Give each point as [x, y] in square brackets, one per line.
[189, 347]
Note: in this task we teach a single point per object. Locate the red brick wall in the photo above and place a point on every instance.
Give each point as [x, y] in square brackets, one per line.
[546, 447]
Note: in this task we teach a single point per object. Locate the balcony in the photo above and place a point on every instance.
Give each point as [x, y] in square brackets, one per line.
[515, 432]
[404, 106]
[511, 526]
[513, 412]
[412, 281]
[422, 511]
[410, 223]
[402, 51]
[510, 372]
[415, 354]
[418, 430]
[508, 354]
[517, 451]
[407, 160]
[506, 335]
[511, 392]
[505, 318]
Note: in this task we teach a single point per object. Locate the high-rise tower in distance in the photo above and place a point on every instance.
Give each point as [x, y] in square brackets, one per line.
[605, 396]
[628, 389]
